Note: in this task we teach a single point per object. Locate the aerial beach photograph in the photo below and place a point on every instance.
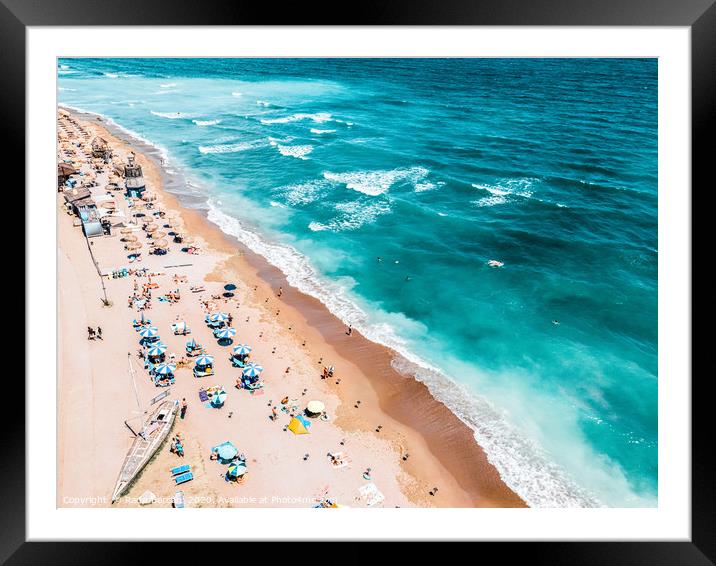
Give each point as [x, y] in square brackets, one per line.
[341, 282]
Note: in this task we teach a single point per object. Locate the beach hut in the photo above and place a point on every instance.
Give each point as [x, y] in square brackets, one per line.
[100, 147]
[204, 366]
[133, 178]
[314, 409]
[64, 170]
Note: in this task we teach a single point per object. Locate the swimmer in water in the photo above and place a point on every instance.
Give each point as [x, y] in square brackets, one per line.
[555, 322]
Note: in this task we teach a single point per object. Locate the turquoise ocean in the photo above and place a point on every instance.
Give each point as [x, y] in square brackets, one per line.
[384, 187]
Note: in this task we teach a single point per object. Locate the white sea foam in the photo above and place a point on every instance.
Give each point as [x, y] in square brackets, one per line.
[297, 151]
[299, 194]
[229, 148]
[503, 189]
[374, 183]
[317, 131]
[237, 93]
[168, 85]
[428, 186]
[172, 115]
[67, 89]
[66, 71]
[111, 75]
[353, 215]
[318, 118]
[206, 122]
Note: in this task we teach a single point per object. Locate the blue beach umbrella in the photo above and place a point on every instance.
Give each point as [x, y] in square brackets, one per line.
[219, 398]
[226, 333]
[230, 287]
[227, 451]
[157, 350]
[252, 370]
[241, 350]
[204, 360]
[236, 469]
[164, 369]
[149, 332]
[219, 317]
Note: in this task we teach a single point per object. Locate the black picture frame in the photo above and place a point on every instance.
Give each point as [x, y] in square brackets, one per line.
[699, 15]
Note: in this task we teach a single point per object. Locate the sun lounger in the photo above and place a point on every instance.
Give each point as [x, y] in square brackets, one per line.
[183, 478]
[197, 289]
[180, 469]
[179, 500]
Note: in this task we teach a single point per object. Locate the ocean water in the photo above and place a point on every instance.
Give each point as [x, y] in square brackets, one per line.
[384, 188]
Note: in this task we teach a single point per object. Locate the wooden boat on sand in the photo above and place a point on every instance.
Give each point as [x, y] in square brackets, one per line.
[145, 445]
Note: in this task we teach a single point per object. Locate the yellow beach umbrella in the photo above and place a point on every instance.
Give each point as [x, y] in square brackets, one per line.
[296, 427]
[130, 238]
[134, 245]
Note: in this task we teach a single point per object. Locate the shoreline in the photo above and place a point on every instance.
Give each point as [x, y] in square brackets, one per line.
[442, 448]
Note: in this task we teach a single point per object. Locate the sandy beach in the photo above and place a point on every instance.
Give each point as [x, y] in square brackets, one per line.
[378, 420]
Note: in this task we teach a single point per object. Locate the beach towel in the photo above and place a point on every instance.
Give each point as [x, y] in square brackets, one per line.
[371, 494]
[203, 395]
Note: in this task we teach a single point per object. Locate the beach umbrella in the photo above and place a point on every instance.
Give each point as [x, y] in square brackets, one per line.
[204, 360]
[315, 407]
[242, 350]
[236, 469]
[134, 245]
[165, 369]
[296, 426]
[252, 370]
[219, 317]
[226, 333]
[161, 244]
[230, 287]
[157, 350]
[156, 234]
[151, 227]
[228, 294]
[192, 343]
[218, 398]
[149, 332]
[227, 451]
[130, 238]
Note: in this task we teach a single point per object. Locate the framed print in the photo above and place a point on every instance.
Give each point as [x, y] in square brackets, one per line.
[424, 275]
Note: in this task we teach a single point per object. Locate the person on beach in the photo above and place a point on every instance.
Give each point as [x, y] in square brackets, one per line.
[350, 330]
[280, 291]
[99, 333]
[274, 414]
[183, 408]
[230, 318]
[90, 333]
